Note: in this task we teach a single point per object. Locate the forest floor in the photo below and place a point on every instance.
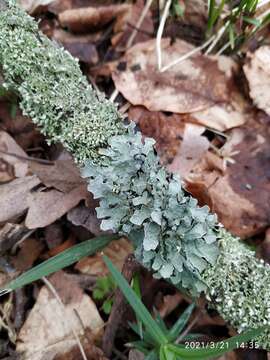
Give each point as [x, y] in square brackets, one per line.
[210, 117]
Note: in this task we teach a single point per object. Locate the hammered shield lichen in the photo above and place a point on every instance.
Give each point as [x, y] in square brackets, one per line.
[178, 238]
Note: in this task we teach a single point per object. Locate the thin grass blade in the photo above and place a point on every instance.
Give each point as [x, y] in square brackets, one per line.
[137, 305]
[58, 262]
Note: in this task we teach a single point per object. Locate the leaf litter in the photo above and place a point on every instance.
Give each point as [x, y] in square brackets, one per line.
[209, 117]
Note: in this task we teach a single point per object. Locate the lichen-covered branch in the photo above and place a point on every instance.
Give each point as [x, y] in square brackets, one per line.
[174, 237]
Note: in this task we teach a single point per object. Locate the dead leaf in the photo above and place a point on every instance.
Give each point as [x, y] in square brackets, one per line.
[85, 217]
[193, 85]
[257, 71]
[126, 23]
[10, 234]
[64, 175]
[58, 6]
[117, 251]
[20, 127]
[240, 194]
[13, 197]
[166, 128]
[135, 355]
[32, 5]
[85, 19]
[46, 207]
[170, 303]
[47, 331]
[82, 47]
[29, 252]
[200, 85]
[192, 149]
[9, 145]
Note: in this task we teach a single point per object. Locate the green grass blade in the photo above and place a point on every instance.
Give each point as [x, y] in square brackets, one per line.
[59, 262]
[220, 347]
[137, 305]
[181, 323]
[151, 356]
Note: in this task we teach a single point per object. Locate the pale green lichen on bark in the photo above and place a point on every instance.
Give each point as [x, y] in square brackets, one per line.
[53, 91]
[179, 240]
[238, 286]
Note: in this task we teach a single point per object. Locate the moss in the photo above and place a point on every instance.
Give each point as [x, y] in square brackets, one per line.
[239, 286]
[53, 91]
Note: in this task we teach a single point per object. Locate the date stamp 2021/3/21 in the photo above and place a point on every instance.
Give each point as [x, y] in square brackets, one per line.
[222, 345]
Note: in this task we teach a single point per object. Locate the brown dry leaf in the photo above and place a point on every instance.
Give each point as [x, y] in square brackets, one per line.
[117, 251]
[193, 86]
[58, 6]
[47, 331]
[32, 5]
[257, 71]
[80, 46]
[19, 166]
[240, 195]
[29, 252]
[85, 19]
[135, 355]
[192, 149]
[46, 207]
[13, 197]
[166, 129]
[22, 130]
[64, 175]
[170, 303]
[85, 217]
[126, 23]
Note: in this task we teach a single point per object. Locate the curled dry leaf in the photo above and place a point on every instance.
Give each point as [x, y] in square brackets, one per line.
[85, 19]
[166, 128]
[48, 329]
[63, 175]
[46, 207]
[196, 84]
[125, 25]
[31, 6]
[80, 46]
[19, 166]
[257, 71]
[20, 127]
[14, 195]
[240, 194]
[192, 149]
[85, 217]
[117, 251]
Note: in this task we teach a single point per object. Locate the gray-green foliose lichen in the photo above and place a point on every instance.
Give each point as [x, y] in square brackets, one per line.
[53, 91]
[239, 287]
[178, 239]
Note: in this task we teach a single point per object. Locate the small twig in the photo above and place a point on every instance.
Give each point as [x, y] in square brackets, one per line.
[114, 95]
[188, 55]
[119, 308]
[160, 32]
[55, 294]
[189, 327]
[139, 23]
[142, 31]
[28, 158]
[217, 38]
